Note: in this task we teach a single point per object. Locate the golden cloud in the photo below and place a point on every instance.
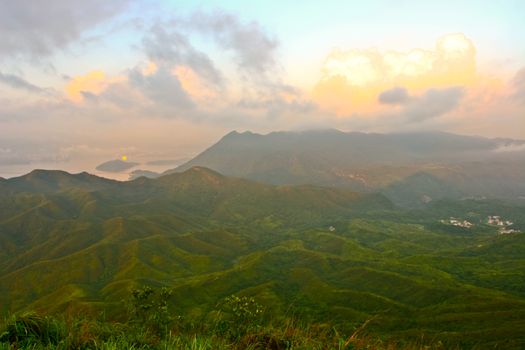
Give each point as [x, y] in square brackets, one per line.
[97, 81]
[150, 69]
[93, 82]
[195, 86]
[352, 79]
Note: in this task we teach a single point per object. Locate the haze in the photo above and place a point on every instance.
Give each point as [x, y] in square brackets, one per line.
[85, 82]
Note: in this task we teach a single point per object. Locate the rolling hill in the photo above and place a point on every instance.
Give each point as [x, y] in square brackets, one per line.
[454, 166]
[73, 243]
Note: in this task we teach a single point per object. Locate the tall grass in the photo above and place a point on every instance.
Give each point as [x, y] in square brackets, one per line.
[237, 323]
[32, 331]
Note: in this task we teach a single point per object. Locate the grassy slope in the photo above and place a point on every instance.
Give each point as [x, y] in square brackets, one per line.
[208, 236]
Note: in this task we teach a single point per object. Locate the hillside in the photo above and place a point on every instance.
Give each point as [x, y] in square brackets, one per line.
[78, 243]
[459, 166]
[48, 181]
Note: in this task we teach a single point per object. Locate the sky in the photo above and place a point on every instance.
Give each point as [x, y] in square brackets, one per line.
[86, 81]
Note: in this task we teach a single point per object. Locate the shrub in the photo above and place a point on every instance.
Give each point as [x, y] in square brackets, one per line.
[30, 328]
[149, 308]
[240, 316]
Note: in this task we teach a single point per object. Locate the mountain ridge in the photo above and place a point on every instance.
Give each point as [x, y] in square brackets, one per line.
[327, 254]
[40, 180]
[370, 162]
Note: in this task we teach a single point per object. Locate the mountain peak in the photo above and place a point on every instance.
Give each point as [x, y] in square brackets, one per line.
[236, 134]
[232, 133]
[46, 172]
[195, 175]
[42, 175]
[203, 173]
[202, 169]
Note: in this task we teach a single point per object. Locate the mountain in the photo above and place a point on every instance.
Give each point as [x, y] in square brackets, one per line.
[116, 166]
[199, 193]
[77, 243]
[420, 188]
[52, 222]
[465, 165]
[47, 181]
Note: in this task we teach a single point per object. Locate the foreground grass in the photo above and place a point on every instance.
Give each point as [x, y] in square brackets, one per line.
[238, 322]
[33, 331]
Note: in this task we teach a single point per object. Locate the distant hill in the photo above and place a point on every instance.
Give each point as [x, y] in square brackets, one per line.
[116, 166]
[464, 165]
[51, 217]
[48, 181]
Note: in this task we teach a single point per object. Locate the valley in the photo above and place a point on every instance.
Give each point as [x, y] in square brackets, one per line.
[77, 243]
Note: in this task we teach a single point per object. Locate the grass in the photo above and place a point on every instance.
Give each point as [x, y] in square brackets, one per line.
[80, 252]
[238, 322]
[32, 331]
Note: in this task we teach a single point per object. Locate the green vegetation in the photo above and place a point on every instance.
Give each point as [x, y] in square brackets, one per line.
[199, 260]
[237, 324]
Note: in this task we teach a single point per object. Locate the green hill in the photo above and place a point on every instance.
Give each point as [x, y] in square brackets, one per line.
[80, 244]
[48, 181]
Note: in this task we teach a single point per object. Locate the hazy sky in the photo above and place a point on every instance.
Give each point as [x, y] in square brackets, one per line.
[85, 81]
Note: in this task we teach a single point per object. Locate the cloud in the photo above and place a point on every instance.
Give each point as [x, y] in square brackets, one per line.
[20, 152]
[17, 82]
[161, 87]
[253, 48]
[518, 84]
[152, 91]
[29, 109]
[194, 85]
[156, 92]
[180, 80]
[431, 109]
[397, 95]
[275, 106]
[352, 79]
[37, 29]
[511, 147]
[170, 43]
[433, 103]
[451, 62]
[166, 46]
[89, 85]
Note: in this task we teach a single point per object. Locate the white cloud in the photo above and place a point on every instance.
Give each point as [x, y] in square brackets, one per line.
[453, 53]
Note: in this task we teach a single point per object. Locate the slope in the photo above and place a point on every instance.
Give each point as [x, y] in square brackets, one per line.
[462, 165]
[323, 254]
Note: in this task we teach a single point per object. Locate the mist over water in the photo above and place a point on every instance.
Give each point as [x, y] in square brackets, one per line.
[73, 167]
